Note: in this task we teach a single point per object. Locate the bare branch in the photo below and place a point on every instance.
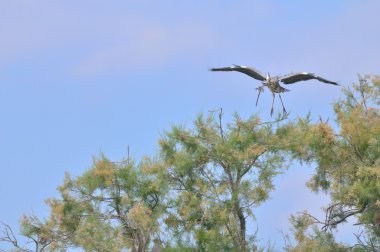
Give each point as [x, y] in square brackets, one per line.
[332, 219]
[9, 237]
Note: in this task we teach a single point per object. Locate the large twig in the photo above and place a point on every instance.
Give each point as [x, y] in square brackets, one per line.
[9, 237]
[331, 219]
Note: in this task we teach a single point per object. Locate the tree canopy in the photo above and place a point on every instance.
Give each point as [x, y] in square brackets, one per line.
[219, 176]
[348, 164]
[208, 179]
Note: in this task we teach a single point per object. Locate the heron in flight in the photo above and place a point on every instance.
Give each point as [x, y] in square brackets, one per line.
[273, 83]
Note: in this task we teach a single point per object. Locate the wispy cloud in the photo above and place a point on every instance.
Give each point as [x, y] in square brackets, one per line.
[342, 43]
[27, 27]
[102, 39]
[147, 46]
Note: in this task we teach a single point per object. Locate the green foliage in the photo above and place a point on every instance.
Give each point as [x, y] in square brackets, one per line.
[348, 159]
[316, 241]
[110, 207]
[218, 176]
[210, 178]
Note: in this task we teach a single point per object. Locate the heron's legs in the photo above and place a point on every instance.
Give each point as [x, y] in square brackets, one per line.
[283, 107]
[261, 89]
[271, 111]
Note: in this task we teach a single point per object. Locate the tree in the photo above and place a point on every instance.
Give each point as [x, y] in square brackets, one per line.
[110, 207]
[209, 179]
[218, 176]
[311, 240]
[348, 162]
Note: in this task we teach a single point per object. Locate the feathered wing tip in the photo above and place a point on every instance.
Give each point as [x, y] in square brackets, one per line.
[327, 81]
[296, 77]
[213, 69]
[250, 71]
[232, 68]
[221, 69]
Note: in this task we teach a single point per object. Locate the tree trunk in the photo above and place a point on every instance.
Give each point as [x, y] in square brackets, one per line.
[242, 227]
[238, 211]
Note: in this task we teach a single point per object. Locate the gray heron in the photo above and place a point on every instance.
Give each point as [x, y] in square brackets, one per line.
[273, 83]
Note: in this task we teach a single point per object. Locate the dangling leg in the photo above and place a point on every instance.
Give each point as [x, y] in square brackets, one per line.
[283, 107]
[257, 100]
[271, 111]
[260, 90]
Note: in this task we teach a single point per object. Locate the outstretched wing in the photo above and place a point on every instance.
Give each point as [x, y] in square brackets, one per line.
[292, 78]
[243, 69]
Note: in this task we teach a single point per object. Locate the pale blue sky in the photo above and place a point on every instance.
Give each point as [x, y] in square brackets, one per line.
[77, 77]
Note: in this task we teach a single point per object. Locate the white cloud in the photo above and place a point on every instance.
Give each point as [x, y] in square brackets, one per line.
[344, 44]
[100, 38]
[148, 46]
